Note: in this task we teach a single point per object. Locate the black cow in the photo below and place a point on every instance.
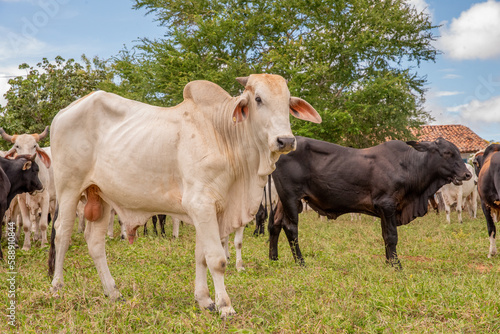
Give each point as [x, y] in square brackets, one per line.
[17, 176]
[487, 166]
[392, 181]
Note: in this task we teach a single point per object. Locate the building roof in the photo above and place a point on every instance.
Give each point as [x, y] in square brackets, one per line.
[464, 138]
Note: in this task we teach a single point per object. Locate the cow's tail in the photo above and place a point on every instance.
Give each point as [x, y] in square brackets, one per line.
[270, 224]
[52, 250]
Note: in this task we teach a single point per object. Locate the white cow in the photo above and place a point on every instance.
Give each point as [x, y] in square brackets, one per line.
[31, 204]
[204, 161]
[452, 194]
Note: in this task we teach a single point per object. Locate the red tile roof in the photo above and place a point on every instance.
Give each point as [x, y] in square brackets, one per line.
[465, 139]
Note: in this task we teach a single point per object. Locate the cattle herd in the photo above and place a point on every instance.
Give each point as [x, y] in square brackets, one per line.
[206, 162]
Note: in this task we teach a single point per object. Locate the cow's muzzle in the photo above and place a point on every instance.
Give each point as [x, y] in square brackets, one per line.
[458, 180]
[286, 144]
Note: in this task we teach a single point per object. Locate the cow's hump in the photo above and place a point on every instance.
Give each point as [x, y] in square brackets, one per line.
[204, 92]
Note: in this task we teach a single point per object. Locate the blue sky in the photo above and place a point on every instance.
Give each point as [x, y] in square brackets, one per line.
[463, 84]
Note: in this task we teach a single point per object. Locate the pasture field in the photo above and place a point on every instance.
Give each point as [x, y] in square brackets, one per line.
[448, 284]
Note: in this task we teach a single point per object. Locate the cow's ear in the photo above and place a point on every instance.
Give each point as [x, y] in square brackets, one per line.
[421, 146]
[44, 157]
[303, 110]
[27, 165]
[11, 153]
[240, 112]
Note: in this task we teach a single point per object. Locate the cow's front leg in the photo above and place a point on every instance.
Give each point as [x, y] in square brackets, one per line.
[26, 222]
[274, 228]
[95, 235]
[225, 245]
[238, 245]
[390, 235]
[204, 217]
[201, 293]
[292, 234]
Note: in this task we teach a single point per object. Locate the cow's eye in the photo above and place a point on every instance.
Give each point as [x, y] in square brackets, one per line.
[258, 99]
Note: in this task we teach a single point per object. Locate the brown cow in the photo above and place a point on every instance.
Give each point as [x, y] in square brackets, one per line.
[488, 165]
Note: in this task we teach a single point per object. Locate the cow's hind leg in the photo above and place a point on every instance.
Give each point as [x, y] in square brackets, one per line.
[95, 233]
[44, 217]
[459, 205]
[111, 223]
[175, 227]
[260, 220]
[63, 226]
[162, 219]
[492, 230]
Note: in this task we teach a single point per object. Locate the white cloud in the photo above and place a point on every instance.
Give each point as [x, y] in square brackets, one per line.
[7, 73]
[446, 93]
[14, 45]
[475, 34]
[480, 111]
[420, 6]
[452, 76]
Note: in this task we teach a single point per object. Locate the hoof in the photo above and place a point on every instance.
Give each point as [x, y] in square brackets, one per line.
[115, 295]
[211, 307]
[226, 311]
[55, 290]
[121, 299]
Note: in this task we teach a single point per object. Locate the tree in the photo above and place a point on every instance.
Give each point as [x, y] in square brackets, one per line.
[34, 99]
[353, 60]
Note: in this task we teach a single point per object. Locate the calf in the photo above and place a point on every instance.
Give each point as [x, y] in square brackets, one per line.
[452, 194]
[392, 181]
[17, 176]
[488, 186]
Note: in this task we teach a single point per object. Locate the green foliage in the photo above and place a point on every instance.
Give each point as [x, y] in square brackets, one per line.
[448, 285]
[353, 60]
[35, 98]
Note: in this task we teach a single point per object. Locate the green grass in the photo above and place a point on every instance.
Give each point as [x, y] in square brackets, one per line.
[448, 284]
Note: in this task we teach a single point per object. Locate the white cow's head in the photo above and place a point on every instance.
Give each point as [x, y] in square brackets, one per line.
[267, 102]
[27, 144]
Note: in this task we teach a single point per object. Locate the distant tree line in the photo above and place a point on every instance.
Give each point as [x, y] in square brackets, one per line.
[355, 61]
